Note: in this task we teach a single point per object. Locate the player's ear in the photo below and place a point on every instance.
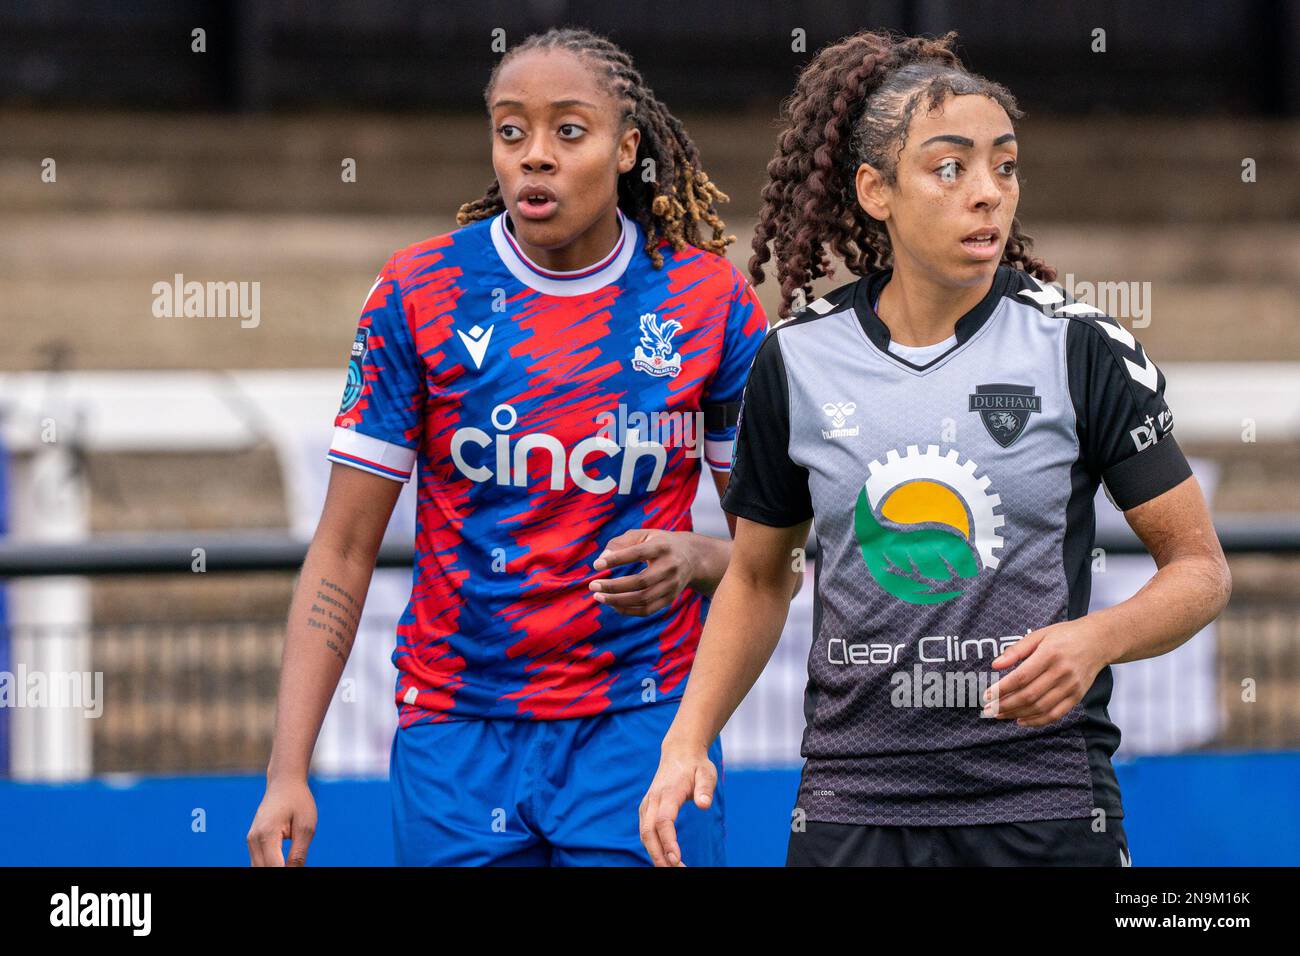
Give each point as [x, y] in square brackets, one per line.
[627, 146]
[873, 192]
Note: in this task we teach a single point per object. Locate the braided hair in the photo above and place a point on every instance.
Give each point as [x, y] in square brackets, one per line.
[853, 104]
[679, 199]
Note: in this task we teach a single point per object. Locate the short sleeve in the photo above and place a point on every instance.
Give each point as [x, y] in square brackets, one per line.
[1125, 427]
[377, 428]
[746, 326]
[765, 484]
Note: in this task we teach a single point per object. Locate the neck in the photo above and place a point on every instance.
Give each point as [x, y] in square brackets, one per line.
[919, 311]
[586, 248]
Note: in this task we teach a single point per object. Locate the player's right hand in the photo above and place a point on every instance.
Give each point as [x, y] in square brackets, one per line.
[684, 773]
[287, 812]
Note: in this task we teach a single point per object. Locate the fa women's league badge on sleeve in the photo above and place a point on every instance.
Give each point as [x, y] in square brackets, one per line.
[356, 381]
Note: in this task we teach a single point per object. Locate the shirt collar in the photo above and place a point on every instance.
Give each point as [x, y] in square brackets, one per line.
[599, 274]
[867, 291]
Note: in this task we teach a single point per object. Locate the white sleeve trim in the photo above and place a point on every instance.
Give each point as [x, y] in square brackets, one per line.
[718, 453]
[374, 455]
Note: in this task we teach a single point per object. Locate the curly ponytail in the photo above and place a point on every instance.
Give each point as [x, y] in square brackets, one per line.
[853, 104]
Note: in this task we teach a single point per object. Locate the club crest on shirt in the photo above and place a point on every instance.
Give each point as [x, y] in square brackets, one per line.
[356, 380]
[1005, 409]
[654, 355]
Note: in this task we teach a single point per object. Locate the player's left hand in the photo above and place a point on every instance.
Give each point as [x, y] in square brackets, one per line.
[684, 773]
[1057, 665]
[670, 562]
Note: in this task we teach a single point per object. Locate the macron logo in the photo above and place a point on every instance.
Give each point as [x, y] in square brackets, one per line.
[476, 342]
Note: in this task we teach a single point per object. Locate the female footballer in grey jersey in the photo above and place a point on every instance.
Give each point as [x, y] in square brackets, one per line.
[957, 687]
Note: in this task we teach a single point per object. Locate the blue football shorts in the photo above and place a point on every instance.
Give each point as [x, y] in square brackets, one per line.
[539, 792]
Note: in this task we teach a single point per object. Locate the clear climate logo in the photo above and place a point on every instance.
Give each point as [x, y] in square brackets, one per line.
[927, 524]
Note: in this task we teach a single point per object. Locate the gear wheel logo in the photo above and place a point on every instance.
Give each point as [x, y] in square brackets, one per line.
[927, 524]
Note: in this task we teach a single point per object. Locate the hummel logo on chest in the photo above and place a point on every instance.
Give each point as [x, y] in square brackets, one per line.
[476, 342]
[838, 413]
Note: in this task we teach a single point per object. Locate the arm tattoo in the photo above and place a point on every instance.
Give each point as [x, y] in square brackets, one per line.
[335, 613]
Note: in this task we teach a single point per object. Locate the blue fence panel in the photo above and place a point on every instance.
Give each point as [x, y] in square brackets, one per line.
[4, 604]
[1189, 810]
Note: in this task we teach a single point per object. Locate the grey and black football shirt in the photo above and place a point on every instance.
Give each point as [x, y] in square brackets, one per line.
[953, 506]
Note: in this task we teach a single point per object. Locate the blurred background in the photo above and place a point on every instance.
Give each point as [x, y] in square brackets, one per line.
[161, 474]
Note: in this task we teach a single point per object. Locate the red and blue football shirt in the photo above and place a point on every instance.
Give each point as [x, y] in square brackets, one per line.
[543, 413]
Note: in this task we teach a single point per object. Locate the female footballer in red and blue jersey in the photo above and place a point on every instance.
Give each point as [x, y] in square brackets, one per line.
[550, 374]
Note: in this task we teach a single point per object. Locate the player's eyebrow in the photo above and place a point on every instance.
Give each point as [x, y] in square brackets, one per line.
[554, 104]
[964, 141]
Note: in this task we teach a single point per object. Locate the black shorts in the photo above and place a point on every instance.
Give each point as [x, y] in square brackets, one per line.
[1034, 843]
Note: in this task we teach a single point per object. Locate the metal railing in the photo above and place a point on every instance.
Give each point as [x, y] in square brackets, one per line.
[175, 552]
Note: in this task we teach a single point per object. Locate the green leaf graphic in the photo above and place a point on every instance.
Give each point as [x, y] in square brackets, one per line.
[925, 566]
